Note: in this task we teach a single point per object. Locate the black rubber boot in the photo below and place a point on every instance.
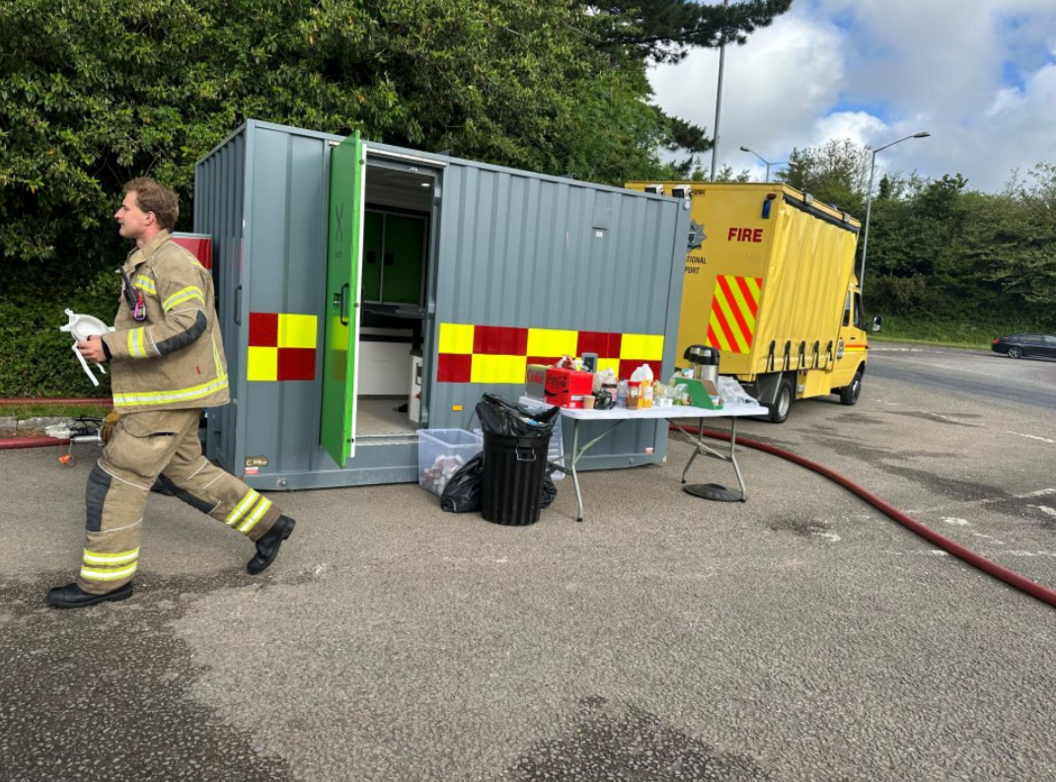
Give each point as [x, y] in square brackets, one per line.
[268, 545]
[72, 596]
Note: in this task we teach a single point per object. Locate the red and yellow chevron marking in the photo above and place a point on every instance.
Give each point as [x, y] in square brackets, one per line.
[281, 346]
[734, 306]
[499, 354]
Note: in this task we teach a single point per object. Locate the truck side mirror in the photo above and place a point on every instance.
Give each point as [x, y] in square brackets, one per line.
[878, 322]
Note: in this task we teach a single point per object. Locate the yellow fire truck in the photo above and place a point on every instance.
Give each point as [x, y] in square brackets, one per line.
[770, 283]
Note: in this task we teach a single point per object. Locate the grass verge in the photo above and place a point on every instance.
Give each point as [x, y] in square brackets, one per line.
[21, 412]
[964, 332]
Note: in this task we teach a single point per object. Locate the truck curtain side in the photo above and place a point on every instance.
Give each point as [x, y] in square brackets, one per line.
[769, 281]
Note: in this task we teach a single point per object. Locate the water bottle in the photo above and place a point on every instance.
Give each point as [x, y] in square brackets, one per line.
[621, 394]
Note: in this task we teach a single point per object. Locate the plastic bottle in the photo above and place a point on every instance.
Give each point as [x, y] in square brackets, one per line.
[621, 394]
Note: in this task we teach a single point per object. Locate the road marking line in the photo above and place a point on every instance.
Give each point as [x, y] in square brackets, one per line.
[1028, 495]
[1021, 553]
[832, 537]
[991, 538]
[1032, 437]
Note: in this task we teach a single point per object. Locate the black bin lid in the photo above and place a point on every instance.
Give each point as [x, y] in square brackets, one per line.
[702, 355]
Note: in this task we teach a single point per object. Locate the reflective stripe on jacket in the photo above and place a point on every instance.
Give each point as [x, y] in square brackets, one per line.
[174, 358]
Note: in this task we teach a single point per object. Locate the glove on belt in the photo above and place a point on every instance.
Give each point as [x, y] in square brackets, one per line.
[106, 431]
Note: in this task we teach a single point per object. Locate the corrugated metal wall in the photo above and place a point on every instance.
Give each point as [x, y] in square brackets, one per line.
[517, 249]
[219, 196]
[265, 195]
[508, 248]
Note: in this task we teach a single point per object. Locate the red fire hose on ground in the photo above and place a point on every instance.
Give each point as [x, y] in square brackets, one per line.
[989, 567]
[12, 443]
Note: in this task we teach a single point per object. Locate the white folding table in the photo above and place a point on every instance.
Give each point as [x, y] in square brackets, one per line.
[619, 415]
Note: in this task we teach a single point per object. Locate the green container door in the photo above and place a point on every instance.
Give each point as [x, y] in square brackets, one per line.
[344, 244]
[373, 242]
[404, 247]
[393, 247]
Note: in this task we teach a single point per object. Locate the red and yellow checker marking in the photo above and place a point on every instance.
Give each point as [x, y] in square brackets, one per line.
[471, 353]
[281, 346]
[734, 306]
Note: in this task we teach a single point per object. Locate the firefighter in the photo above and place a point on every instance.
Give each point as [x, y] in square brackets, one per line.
[167, 364]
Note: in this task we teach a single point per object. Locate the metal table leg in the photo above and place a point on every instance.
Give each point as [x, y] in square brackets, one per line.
[575, 475]
[575, 456]
[715, 491]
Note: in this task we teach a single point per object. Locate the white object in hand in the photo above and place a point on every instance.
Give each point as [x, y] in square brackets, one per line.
[82, 327]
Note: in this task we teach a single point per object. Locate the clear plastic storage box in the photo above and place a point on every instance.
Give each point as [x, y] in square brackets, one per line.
[441, 452]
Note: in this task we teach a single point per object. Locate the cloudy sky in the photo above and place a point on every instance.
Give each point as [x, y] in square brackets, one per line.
[979, 75]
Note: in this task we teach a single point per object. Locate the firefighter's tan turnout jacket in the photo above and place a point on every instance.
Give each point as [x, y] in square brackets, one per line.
[174, 358]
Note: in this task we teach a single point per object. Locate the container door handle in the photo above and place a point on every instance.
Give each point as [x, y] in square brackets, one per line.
[238, 306]
[340, 301]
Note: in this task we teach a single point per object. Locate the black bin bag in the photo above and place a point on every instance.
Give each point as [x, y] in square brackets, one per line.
[464, 491]
[516, 442]
[549, 492]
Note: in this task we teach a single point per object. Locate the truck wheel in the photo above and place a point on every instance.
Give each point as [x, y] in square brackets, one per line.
[782, 402]
[849, 394]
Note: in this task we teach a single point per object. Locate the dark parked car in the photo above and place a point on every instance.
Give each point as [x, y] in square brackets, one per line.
[1019, 345]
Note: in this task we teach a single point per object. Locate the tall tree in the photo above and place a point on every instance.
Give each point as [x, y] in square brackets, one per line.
[836, 172]
[665, 30]
[1011, 242]
[96, 92]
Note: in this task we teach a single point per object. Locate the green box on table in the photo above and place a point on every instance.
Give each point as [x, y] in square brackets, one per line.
[702, 392]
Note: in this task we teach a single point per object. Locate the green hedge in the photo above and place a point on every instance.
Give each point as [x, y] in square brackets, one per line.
[955, 331]
[35, 357]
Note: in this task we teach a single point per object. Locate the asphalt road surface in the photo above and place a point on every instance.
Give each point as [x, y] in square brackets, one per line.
[985, 377]
[801, 635]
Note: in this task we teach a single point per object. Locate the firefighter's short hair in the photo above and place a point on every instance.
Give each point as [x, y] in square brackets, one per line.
[154, 197]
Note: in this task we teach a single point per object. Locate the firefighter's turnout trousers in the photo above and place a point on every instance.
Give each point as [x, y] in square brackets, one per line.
[144, 448]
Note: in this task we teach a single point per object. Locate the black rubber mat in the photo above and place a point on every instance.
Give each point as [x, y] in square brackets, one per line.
[713, 491]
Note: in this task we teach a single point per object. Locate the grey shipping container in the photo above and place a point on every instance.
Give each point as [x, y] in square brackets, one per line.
[368, 291]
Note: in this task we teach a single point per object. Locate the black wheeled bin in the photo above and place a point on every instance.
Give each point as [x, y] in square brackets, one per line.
[515, 448]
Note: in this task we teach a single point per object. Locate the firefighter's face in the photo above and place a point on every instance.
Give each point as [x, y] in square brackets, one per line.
[133, 222]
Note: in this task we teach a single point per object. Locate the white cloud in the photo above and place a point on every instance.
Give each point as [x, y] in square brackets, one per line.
[859, 126]
[980, 76]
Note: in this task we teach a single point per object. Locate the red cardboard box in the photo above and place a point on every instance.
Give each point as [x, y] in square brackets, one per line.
[567, 387]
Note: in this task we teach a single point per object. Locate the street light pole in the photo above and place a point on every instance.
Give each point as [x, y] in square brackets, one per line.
[718, 100]
[767, 162]
[869, 201]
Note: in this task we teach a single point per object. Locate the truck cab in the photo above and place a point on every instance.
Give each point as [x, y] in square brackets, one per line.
[852, 348]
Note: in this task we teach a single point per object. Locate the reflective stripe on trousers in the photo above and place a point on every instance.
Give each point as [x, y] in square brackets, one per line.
[158, 446]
